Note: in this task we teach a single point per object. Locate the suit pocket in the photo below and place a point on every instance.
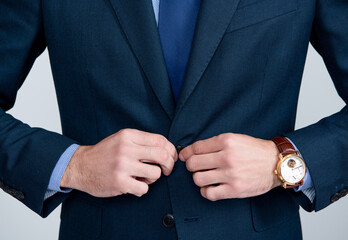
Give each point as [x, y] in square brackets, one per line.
[250, 12]
[80, 219]
[272, 209]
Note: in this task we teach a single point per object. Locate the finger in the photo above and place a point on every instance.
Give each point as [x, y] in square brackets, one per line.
[152, 139]
[214, 193]
[137, 188]
[156, 155]
[203, 162]
[209, 145]
[172, 151]
[207, 178]
[146, 180]
[146, 171]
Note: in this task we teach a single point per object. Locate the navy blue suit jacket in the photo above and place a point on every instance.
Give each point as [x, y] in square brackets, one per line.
[243, 76]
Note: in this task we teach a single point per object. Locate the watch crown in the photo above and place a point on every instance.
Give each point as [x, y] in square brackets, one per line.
[275, 172]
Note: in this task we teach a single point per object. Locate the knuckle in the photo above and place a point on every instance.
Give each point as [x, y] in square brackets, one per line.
[210, 195]
[190, 165]
[227, 140]
[169, 165]
[166, 161]
[163, 154]
[157, 173]
[150, 151]
[159, 140]
[197, 179]
[124, 133]
[144, 189]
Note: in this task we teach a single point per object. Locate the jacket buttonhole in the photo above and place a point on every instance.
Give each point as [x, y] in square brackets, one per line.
[191, 219]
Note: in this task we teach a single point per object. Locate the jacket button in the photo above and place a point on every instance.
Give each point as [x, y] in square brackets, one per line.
[168, 220]
[343, 192]
[335, 197]
[179, 148]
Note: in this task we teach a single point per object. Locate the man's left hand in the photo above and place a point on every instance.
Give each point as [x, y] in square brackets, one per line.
[232, 166]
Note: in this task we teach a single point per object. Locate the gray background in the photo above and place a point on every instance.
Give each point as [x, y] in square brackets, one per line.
[36, 105]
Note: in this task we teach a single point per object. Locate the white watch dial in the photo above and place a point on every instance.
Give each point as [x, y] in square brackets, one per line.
[292, 169]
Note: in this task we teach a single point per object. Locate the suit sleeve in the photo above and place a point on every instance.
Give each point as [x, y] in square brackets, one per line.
[324, 144]
[27, 155]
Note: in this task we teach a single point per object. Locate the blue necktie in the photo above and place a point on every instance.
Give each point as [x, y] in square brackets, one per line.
[177, 22]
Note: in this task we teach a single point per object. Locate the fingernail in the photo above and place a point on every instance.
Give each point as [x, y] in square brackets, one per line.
[181, 157]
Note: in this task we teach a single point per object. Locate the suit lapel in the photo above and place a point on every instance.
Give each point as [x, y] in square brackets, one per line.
[139, 25]
[213, 20]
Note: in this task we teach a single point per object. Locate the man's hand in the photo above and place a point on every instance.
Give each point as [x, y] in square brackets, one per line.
[125, 162]
[232, 166]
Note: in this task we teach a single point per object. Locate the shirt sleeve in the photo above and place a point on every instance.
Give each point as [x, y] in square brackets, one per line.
[307, 186]
[58, 171]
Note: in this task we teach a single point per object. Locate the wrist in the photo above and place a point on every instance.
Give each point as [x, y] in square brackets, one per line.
[71, 174]
[291, 168]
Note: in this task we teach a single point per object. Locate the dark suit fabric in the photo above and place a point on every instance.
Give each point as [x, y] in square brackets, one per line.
[243, 76]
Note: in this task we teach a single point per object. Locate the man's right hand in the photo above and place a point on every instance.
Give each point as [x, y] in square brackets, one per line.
[125, 162]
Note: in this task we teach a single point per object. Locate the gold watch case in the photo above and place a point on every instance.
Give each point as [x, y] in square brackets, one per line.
[277, 171]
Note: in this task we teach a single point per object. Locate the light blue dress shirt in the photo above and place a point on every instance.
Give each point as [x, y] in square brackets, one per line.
[57, 174]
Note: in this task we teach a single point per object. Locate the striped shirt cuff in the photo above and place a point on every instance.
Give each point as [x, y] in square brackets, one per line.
[58, 171]
[307, 186]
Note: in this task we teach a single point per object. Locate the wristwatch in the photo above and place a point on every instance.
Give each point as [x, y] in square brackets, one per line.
[291, 168]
